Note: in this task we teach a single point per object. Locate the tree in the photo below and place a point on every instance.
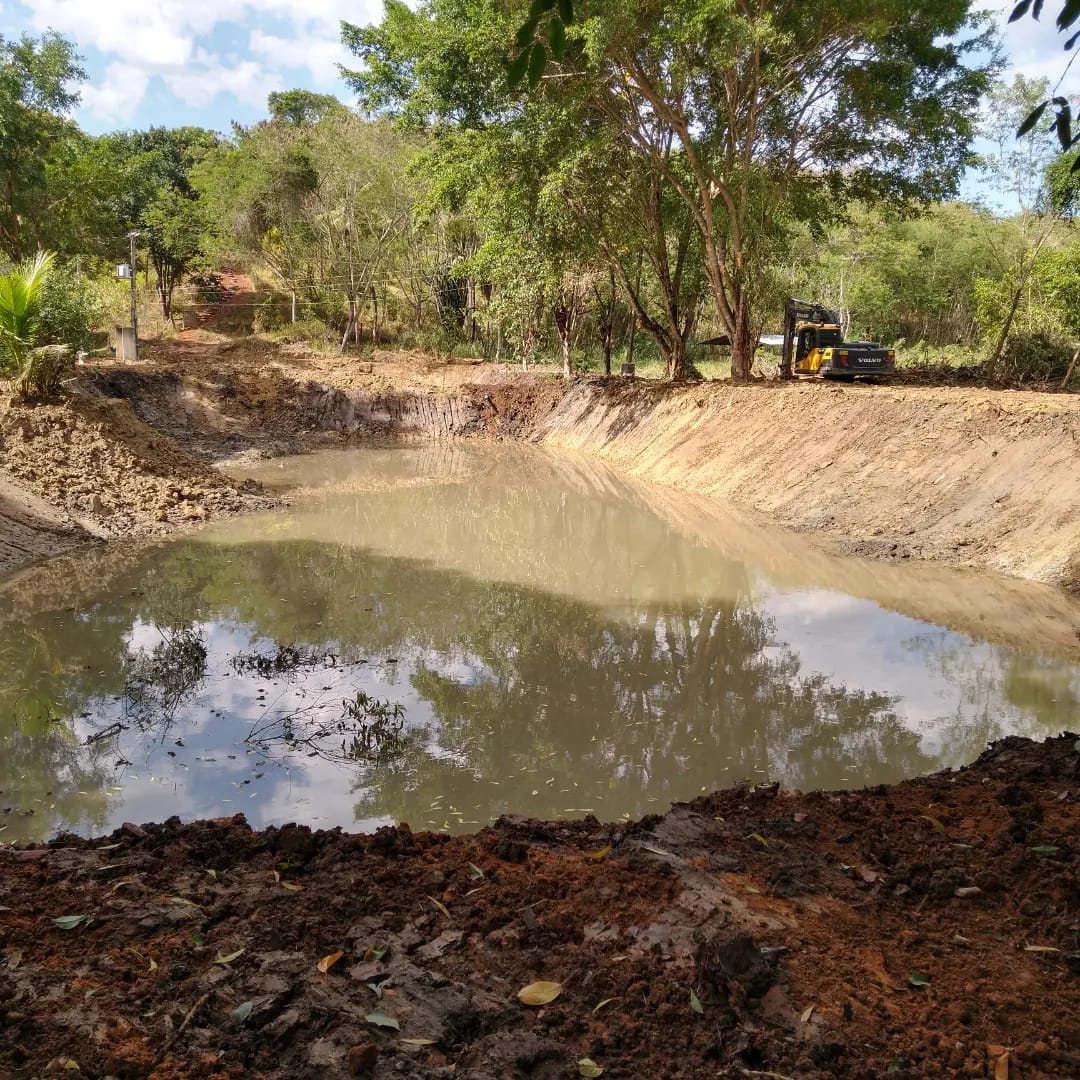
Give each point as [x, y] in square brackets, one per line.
[153, 192]
[38, 81]
[255, 193]
[557, 200]
[784, 110]
[174, 226]
[20, 309]
[301, 108]
[751, 115]
[359, 207]
[1021, 167]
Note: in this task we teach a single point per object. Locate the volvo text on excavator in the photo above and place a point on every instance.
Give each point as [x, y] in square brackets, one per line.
[814, 345]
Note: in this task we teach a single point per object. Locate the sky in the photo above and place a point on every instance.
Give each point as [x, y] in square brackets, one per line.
[210, 62]
[205, 62]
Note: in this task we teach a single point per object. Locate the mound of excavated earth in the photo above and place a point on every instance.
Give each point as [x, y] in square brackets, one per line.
[83, 469]
[930, 929]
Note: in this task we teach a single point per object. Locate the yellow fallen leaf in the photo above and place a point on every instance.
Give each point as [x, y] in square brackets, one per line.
[1040, 948]
[603, 853]
[418, 1042]
[327, 962]
[153, 964]
[886, 980]
[292, 886]
[539, 993]
[933, 821]
[606, 1001]
[441, 906]
[807, 1013]
[588, 1067]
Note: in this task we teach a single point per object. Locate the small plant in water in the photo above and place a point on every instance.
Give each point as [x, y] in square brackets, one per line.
[367, 730]
[285, 660]
[379, 725]
[157, 682]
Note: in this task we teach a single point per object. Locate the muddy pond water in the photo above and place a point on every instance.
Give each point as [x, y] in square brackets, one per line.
[443, 634]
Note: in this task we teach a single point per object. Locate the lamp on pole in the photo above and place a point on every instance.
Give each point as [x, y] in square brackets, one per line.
[133, 236]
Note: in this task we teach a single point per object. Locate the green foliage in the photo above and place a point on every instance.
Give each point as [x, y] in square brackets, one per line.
[43, 370]
[638, 118]
[1019, 166]
[322, 204]
[72, 308]
[38, 89]
[1061, 126]
[1033, 356]
[301, 108]
[152, 191]
[21, 291]
[1063, 187]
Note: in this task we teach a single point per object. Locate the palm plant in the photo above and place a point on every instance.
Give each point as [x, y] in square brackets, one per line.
[20, 311]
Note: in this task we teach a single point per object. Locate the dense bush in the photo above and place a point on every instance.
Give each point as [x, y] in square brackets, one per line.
[1033, 357]
[73, 307]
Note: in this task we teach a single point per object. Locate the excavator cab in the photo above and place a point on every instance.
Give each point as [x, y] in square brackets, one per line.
[814, 345]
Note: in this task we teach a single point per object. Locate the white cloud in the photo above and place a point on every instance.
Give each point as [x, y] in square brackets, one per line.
[118, 95]
[174, 40]
[318, 54]
[199, 83]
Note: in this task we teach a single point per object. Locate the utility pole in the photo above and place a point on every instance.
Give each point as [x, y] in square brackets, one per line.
[133, 236]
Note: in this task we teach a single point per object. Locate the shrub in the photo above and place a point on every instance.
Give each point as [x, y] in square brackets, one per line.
[1033, 357]
[43, 370]
[70, 310]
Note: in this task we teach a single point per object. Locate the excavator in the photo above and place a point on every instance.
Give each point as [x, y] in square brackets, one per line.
[814, 344]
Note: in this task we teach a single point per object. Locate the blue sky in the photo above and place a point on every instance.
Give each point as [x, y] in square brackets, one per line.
[209, 62]
[206, 62]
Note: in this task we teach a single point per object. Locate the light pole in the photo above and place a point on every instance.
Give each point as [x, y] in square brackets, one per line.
[133, 236]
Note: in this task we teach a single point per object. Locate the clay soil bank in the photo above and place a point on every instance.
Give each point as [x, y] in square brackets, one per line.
[980, 478]
[931, 929]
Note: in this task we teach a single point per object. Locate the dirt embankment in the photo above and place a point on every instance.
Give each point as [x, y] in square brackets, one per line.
[925, 930]
[85, 469]
[986, 478]
[977, 477]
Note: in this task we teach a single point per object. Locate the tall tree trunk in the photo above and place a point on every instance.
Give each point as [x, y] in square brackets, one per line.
[1018, 295]
[292, 305]
[675, 356]
[742, 344]
[607, 320]
[1072, 367]
[633, 313]
[564, 323]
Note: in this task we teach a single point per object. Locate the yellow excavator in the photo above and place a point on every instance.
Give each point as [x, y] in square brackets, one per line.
[814, 344]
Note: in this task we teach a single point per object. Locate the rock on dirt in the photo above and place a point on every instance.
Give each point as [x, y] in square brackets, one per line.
[753, 932]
